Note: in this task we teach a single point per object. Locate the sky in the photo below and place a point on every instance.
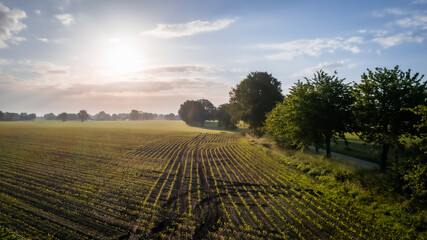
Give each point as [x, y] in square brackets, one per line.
[115, 56]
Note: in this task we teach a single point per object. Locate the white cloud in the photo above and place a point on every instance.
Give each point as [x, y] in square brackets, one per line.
[416, 20]
[181, 69]
[46, 69]
[43, 39]
[312, 47]
[38, 12]
[189, 28]
[397, 39]
[419, 2]
[325, 66]
[65, 18]
[10, 24]
[390, 11]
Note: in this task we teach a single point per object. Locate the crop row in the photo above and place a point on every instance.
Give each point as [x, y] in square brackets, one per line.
[202, 186]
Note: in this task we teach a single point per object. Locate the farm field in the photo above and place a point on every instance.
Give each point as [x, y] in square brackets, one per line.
[161, 179]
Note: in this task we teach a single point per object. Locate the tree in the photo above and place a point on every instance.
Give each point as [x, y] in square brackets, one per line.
[32, 116]
[413, 168]
[83, 115]
[210, 109]
[49, 116]
[253, 98]
[170, 116]
[193, 113]
[224, 117]
[383, 98]
[72, 117]
[63, 116]
[102, 116]
[314, 112]
[134, 115]
[1, 115]
[291, 122]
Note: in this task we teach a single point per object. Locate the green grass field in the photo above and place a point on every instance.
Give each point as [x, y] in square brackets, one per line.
[359, 149]
[163, 179]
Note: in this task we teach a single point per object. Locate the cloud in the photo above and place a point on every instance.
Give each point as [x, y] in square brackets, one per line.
[189, 28]
[38, 12]
[325, 66]
[397, 39]
[416, 21]
[10, 24]
[43, 39]
[152, 96]
[46, 69]
[419, 2]
[312, 47]
[390, 11]
[65, 18]
[181, 69]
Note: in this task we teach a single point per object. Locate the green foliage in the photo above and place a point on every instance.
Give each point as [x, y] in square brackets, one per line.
[210, 109]
[382, 100]
[253, 98]
[7, 234]
[313, 113]
[412, 169]
[224, 117]
[195, 113]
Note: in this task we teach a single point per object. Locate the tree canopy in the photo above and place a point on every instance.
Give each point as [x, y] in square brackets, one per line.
[102, 116]
[63, 116]
[195, 113]
[383, 99]
[224, 117]
[253, 98]
[313, 113]
[83, 115]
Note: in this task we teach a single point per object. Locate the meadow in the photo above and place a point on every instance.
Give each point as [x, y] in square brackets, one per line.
[163, 179]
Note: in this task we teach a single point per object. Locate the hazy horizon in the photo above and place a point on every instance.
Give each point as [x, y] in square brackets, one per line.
[115, 56]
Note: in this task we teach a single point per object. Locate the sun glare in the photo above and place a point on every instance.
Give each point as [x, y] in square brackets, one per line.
[122, 57]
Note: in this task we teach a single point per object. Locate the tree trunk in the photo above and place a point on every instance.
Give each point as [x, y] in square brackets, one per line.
[317, 148]
[383, 163]
[328, 146]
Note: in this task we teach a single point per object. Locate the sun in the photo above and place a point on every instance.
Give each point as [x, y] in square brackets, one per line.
[122, 57]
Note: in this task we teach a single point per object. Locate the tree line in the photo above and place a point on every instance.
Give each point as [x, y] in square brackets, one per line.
[386, 108]
[11, 116]
[196, 112]
[83, 115]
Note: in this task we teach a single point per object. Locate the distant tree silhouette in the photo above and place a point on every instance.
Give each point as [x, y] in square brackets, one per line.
[170, 116]
[50, 116]
[83, 115]
[72, 117]
[135, 115]
[102, 116]
[63, 116]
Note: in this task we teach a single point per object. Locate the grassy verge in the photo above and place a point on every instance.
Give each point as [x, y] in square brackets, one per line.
[356, 186]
